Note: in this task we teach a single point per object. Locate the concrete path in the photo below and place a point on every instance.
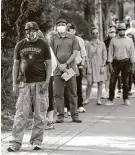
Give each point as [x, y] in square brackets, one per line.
[104, 131]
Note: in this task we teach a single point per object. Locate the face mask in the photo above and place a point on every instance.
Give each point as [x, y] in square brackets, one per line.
[61, 29]
[112, 35]
[32, 36]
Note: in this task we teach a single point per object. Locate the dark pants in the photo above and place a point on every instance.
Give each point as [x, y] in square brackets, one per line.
[125, 67]
[59, 85]
[79, 92]
[51, 98]
[79, 88]
[130, 82]
[119, 83]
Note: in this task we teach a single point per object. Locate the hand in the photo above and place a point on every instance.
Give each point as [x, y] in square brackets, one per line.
[62, 66]
[44, 87]
[111, 69]
[16, 89]
[102, 70]
[66, 70]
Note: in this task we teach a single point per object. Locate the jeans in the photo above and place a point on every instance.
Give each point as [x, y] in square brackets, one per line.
[59, 85]
[125, 67]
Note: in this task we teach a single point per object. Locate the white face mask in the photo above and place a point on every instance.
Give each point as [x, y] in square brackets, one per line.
[61, 29]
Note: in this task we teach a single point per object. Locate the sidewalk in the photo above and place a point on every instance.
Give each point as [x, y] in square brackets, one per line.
[104, 131]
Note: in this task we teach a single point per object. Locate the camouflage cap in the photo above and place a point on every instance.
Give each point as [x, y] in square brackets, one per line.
[31, 25]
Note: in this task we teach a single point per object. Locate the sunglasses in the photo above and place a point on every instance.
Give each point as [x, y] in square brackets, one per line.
[121, 30]
[95, 33]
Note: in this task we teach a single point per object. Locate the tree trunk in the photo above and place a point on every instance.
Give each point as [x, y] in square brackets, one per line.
[121, 10]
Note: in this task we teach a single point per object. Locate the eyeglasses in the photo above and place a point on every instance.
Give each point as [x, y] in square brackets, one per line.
[30, 30]
[112, 32]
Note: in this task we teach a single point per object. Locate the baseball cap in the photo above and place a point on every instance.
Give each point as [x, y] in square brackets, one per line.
[71, 26]
[122, 26]
[31, 25]
[112, 29]
[61, 20]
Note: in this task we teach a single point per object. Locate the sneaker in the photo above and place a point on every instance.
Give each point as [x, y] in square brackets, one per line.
[99, 103]
[86, 102]
[76, 120]
[50, 126]
[118, 95]
[69, 113]
[130, 93]
[126, 102]
[12, 149]
[59, 120]
[81, 110]
[36, 147]
[66, 115]
[65, 110]
[109, 103]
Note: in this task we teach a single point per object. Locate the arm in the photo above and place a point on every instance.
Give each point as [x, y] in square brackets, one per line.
[75, 50]
[83, 50]
[72, 57]
[15, 72]
[111, 51]
[87, 60]
[133, 57]
[48, 70]
[16, 68]
[104, 55]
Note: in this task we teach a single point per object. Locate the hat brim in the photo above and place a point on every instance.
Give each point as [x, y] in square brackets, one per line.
[121, 29]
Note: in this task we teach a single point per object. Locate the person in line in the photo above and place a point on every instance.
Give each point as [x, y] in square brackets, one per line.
[97, 56]
[111, 34]
[80, 62]
[65, 48]
[121, 58]
[30, 56]
[132, 74]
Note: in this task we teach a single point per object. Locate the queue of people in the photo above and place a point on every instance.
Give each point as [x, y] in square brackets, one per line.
[48, 73]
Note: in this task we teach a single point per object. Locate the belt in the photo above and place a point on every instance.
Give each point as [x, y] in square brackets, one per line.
[123, 60]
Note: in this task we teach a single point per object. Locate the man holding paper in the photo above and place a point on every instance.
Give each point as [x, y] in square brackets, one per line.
[65, 47]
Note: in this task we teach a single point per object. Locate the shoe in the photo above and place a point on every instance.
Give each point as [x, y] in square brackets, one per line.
[130, 93]
[76, 120]
[50, 126]
[109, 103]
[69, 113]
[126, 102]
[86, 102]
[36, 147]
[66, 115]
[81, 110]
[12, 149]
[118, 95]
[119, 91]
[59, 120]
[99, 103]
[65, 110]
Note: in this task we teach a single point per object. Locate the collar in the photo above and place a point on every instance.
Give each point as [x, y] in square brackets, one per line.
[121, 37]
[67, 35]
[97, 42]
